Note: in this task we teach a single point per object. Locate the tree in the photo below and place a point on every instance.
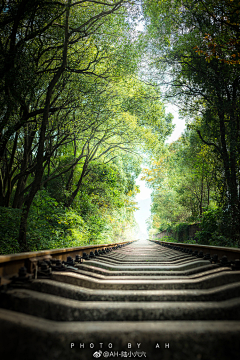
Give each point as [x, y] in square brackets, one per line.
[186, 181]
[208, 89]
[76, 104]
[48, 40]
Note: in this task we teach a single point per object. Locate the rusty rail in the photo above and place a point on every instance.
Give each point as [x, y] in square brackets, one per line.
[232, 254]
[10, 264]
[147, 299]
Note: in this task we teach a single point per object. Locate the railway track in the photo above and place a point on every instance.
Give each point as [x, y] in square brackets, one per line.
[144, 299]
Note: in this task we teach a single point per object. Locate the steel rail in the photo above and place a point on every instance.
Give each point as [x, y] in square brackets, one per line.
[10, 264]
[146, 299]
[232, 254]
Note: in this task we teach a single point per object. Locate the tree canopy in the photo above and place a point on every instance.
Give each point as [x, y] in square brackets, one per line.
[195, 56]
[82, 97]
[73, 111]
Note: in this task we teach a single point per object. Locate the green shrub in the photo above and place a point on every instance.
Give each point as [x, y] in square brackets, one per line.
[9, 226]
[215, 227]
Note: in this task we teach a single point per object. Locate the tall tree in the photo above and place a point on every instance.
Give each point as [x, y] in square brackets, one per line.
[205, 87]
[57, 42]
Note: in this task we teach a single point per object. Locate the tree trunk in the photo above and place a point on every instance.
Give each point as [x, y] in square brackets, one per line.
[35, 186]
[229, 161]
[71, 198]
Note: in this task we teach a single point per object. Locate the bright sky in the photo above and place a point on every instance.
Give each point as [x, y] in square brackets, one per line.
[144, 203]
[144, 197]
[144, 191]
[179, 123]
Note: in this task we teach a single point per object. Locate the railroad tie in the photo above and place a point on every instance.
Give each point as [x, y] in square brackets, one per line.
[142, 300]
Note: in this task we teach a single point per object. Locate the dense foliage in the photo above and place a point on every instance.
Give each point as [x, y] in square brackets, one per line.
[74, 118]
[195, 50]
[189, 188]
[80, 103]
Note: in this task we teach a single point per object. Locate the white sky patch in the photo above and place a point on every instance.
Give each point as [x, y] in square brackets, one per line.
[145, 193]
[144, 197]
[179, 124]
[140, 26]
[144, 204]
